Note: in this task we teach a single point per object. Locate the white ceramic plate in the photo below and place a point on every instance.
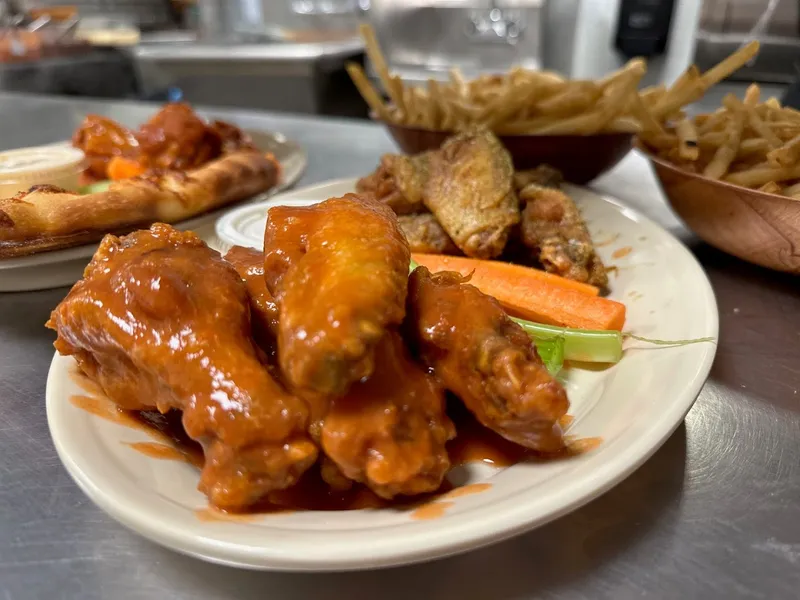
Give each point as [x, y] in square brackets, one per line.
[64, 267]
[633, 406]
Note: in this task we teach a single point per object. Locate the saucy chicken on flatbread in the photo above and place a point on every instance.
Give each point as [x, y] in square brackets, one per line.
[175, 167]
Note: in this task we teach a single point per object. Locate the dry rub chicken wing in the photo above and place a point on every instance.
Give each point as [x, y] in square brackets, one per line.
[470, 190]
[399, 182]
[478, 353]
[553, 230]
[389, 431]
[468, 184]
[161, 321]
[338, 271]
[424, 234]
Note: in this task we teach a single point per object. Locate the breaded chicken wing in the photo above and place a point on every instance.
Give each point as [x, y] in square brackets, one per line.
[399, 182]
[470, 191]
[389, 431]
[478, 353]
[161, 321]
[424, 234]
[553, 230]
[338, 271]
[543, 175]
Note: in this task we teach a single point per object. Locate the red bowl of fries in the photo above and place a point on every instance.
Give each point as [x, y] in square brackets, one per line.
[579, 158]
[756, 226]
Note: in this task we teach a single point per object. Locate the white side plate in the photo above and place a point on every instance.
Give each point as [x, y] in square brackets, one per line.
[633, 407]
[64, 267]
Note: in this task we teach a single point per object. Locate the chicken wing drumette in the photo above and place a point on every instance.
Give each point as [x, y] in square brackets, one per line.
[483, 357]
[249, 263]
[389, 431]
[161, 321]
[554, 232]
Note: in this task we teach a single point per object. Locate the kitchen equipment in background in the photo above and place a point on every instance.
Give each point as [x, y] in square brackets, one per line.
[424, 40]
[105, 31]
[263, 54]
[643, 28]
[609, 32]
[279, 20]
[579, 38]
[144, 14]
[727, 24]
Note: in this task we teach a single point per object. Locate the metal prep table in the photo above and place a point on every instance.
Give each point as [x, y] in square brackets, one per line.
[715, 513]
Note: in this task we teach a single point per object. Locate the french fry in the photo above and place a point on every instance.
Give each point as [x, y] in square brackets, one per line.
[649, 124]
[731, 64]
[714, 122]
[753, 178]
[687, 140]
[624, 124]
[651, 95]
[574, 99]
[786, 155]
[792, 190]
[684, 90]
[373, 50]
[521, 101]
[754, 119]
[727, 152]
[367, 91]
[771, 187]
[609, 107]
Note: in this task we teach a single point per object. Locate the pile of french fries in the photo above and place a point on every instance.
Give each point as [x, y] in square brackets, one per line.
[524, 102]
[746, 142]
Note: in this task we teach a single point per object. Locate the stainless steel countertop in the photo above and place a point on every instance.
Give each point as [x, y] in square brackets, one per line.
[714, 514]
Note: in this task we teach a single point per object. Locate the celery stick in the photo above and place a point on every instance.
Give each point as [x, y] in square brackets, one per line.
[584, 345]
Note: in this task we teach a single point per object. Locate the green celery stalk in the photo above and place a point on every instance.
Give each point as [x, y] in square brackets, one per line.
[551, 351]
[585, 345]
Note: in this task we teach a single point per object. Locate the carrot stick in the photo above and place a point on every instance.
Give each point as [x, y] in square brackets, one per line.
[465, 266]
[123, 168]
[534, 295]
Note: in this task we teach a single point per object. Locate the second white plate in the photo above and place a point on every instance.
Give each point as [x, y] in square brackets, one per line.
[64, 267]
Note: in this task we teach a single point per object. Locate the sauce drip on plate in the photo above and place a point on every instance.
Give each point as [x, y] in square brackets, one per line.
[473, 444]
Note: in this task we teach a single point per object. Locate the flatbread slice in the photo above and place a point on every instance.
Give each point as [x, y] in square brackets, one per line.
[48, 218]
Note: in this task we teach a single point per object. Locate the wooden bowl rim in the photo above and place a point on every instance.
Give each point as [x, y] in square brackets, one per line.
[615, 134]
[715, 182]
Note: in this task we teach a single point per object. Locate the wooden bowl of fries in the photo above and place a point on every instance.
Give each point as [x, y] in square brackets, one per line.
[734, 176]
[579, 158]
[581, 127]
[756, 226]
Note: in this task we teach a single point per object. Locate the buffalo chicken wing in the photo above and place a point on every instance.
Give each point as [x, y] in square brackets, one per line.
[478, 353]
[389, 431]
[161, 321]
[338, 271]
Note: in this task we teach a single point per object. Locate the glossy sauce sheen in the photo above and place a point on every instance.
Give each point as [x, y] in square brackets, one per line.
[473, 444]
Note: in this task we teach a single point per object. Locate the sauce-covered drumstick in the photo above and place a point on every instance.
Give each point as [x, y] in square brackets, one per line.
[161, 321]
[389, 431]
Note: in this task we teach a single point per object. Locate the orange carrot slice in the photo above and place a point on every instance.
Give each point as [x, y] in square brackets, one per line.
[463, 265]
[123, 168]
[534, 295]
